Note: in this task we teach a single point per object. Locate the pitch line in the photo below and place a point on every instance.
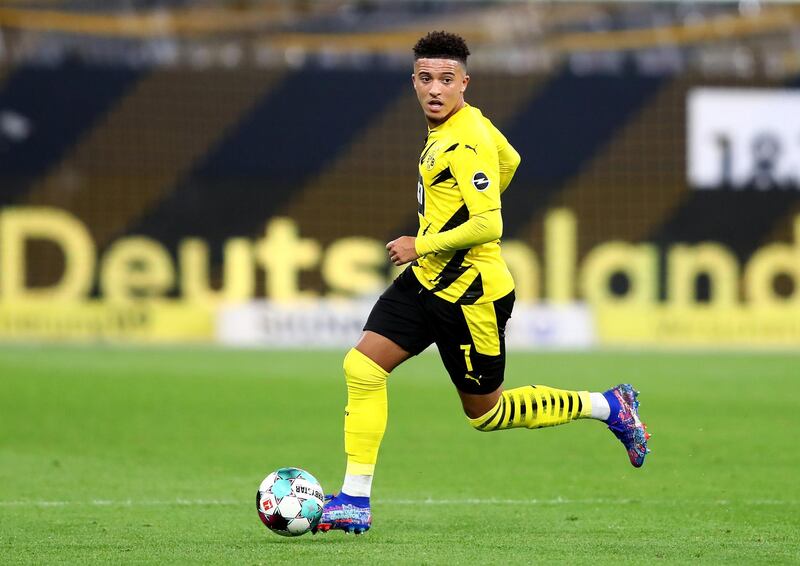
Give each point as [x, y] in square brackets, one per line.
[427, 501]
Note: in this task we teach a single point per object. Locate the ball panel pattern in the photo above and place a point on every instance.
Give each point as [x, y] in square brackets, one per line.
[289, 501]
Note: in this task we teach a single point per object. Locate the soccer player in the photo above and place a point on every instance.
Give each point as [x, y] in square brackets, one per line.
[457, 293]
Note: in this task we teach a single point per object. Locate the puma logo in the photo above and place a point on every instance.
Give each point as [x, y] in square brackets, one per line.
[475, 379]
[472, 148]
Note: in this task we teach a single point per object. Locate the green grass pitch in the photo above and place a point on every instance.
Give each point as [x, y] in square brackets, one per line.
[116, 455]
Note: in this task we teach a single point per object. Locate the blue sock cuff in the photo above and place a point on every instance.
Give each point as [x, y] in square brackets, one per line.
[353, 500]
[613, 404]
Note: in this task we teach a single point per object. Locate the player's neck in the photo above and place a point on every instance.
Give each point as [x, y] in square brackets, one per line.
[435, 124]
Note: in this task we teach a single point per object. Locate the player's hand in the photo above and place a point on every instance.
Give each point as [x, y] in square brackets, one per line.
[402, 250]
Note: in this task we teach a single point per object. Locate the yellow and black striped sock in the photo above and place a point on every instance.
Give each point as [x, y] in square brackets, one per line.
[534, 406]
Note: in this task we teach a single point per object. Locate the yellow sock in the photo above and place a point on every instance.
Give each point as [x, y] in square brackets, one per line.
[366, 412]
[534, 406]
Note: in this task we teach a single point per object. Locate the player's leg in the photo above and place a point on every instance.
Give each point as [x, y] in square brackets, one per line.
[474, 353]
[366, 369]
[395, 330]
[472, 347]
[536, 406]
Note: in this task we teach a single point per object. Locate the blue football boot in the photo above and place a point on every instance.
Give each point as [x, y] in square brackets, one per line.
[624, 422]
[345, 513]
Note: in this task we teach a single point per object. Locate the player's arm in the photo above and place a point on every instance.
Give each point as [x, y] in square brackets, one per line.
[479, 229]
[476, 172]
[508, 158]
[509, 161]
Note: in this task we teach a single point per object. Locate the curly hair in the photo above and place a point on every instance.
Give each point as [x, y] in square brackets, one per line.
[442, 45]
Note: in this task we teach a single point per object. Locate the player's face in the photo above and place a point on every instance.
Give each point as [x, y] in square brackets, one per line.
[440, 86]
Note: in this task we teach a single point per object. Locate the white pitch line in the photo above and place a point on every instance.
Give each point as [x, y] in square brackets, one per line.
[598, 501]
[428, 501]
[121, 503]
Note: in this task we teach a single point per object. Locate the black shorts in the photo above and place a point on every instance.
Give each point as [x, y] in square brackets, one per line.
[470, 338]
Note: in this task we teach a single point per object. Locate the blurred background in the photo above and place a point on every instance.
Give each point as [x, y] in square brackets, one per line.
[198, 171]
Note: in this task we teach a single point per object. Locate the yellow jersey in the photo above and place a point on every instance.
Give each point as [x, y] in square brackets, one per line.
[465, 165]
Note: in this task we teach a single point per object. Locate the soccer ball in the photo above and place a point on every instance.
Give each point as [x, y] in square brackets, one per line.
[289, 502]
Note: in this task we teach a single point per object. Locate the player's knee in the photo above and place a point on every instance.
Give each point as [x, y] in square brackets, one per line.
[360, 371]
[480, 417]
[351, 364]
[479, 422]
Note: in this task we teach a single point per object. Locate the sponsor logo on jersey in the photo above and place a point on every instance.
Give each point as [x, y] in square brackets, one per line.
[480, 181]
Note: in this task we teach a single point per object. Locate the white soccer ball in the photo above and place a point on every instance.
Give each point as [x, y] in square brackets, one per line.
[289, 502]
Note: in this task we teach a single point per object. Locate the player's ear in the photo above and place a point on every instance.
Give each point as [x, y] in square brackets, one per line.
[464, 83]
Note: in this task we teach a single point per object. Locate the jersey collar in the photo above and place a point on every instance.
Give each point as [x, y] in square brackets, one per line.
[452, 120]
